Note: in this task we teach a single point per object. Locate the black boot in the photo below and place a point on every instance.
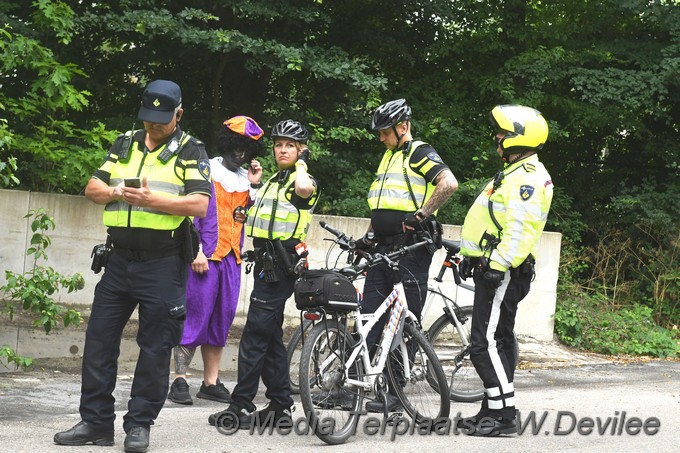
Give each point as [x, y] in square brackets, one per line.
[377, 405]
[83, 434]
[488, 423]
[471, 422]
[137, 440]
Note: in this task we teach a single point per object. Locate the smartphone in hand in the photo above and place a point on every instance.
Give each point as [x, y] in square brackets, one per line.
[133, 182]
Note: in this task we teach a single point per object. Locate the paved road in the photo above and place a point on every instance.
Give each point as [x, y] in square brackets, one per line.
[35, 405]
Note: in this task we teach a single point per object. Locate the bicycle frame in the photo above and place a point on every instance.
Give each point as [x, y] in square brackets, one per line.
[395, 302]
[451, 308]
[364, 322]
[347, 362]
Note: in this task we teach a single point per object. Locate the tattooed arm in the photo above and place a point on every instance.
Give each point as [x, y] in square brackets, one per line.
[445, 185]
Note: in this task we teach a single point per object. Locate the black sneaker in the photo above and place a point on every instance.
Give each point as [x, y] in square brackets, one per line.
[276, 414]
[393, 404]
[179, 392]
[231, 416]
[217, 392]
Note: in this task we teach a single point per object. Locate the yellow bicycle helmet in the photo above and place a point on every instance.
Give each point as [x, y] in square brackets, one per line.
[526, 129]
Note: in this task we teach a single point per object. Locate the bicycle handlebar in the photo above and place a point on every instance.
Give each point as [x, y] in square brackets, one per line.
[387, 258]
[371, 259]
[344, 242]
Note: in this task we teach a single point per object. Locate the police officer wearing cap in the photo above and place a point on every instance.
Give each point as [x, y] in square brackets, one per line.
[277, 221]
[411, 184]
[147, 268]
[500, 238]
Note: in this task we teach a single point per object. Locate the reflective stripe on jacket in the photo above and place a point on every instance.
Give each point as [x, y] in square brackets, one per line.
[161, 179]
[390, 189]
[273, 216]
[520, 205]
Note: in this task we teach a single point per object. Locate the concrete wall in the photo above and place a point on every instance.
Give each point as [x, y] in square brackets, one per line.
[79, 227]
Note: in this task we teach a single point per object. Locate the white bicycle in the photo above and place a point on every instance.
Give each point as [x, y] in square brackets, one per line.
[337, 372]
[449, 333]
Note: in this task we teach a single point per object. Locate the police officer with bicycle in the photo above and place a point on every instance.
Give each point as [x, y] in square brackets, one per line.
[500, 238]
[412, 183]
[277, 221]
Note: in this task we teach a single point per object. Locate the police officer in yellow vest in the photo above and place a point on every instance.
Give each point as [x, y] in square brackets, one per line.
[147, 227]
[411, 184]
[277, 221]
[500, 238]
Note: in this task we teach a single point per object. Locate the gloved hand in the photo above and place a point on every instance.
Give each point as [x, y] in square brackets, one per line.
[365, 242]
[304, 155]
[410, 220]
[465, 268]
[493, 279]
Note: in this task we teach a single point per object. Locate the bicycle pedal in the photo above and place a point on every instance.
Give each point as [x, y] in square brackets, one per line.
[394, 418]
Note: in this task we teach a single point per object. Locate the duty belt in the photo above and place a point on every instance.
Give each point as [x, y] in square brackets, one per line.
[396, 240]
[145, 255]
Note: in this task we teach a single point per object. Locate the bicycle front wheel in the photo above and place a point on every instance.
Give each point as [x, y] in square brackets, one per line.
[294, 349]
[331, 404]
[413, 368]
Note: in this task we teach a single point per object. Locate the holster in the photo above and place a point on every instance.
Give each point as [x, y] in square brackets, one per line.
[190, 240]
[274, 259]
[285, 260]
[100, 255]
[268, 267]
[431, 229]
[526, 269]
[478, 265]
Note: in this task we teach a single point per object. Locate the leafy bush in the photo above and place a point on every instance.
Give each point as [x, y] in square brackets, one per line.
[34, 289]
[587, 322]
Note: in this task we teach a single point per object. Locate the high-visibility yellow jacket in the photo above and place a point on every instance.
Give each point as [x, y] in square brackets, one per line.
[390, 189]
[520, 205]
[274, 216]
[166, 178]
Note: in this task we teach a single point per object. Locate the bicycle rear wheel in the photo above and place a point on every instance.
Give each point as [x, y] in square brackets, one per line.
[465, 383]
[330, 403]
[294, 349]
[413, 367]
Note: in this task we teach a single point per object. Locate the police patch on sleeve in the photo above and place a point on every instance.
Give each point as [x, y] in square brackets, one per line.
[526, 192]
[204, 168]
[434, 157]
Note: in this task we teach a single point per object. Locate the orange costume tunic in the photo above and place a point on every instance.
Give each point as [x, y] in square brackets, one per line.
[212, 297]
[220, 234]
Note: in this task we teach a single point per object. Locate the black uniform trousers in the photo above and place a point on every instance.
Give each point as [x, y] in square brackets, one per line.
[261, 352]
[413, 270]
[492, 349]
[155, 286]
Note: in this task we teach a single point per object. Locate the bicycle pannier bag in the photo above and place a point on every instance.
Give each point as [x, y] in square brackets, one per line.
[326, 289]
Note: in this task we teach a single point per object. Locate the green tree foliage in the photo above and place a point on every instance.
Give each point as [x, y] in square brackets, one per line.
[38, 93]
[605, 75]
